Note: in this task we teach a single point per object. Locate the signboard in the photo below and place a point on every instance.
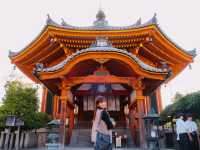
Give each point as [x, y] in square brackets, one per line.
[19, 122]
[12, 121]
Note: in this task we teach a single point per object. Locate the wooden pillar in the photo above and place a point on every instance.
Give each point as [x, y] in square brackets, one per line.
[71, 123]
[159, 100]
[148, 104]
[65, 89]
[133, 124]
[44, 99]
[145, 106]
[55, 106]
[141, 112]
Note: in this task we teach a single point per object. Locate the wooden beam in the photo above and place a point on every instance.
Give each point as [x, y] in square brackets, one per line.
[155, 55]
[104, 79]
[36, 55]
[158, 49]
[49, 54]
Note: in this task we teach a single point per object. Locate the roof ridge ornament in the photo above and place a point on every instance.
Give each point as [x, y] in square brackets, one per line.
[63, 22]
[50, 21]
[138, 22]
[193, 52]
[153, 20]
[12, 53]
[100, 19]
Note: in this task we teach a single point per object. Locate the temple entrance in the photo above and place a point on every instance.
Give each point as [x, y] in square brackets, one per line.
[118, 101]
[87, 106]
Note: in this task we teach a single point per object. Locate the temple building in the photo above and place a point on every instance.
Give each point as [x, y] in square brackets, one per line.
[126, 64]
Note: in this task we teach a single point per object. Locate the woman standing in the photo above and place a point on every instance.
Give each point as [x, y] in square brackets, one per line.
[95, 121]
[102, 126]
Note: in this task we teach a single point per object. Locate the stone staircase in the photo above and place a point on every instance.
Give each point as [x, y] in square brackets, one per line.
[82, 137]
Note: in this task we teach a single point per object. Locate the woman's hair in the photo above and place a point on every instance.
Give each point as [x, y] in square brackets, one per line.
[100, 99]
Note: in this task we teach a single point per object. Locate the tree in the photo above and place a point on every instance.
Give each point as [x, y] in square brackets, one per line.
[177, 96]
[22, 100]
[189, 103]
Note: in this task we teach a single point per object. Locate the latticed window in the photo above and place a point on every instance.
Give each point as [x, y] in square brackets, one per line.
[113, 103]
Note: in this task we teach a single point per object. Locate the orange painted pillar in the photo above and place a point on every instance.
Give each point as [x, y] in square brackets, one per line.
[44, 99]
[55, 107]
[145, 106]
[141, 112]
[64, 98]
[159, 100]
[71, 123]
[148, 104]
[133, 124]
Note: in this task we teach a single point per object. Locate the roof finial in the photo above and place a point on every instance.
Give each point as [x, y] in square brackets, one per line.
[49, 21]
[100, 6]
[63, 23]
[154, 19]
[100, 17]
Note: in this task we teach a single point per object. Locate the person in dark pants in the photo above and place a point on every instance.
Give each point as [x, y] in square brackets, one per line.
[193, 129]
[183, 136]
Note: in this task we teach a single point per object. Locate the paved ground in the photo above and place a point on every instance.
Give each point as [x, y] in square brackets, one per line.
[70, 148]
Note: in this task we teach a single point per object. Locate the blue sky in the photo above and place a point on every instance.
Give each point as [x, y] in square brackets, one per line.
[22, 20]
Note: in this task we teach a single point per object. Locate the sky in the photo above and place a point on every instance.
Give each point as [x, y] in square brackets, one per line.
[22, 20]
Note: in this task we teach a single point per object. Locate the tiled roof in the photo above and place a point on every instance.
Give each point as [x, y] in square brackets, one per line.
[101, 45]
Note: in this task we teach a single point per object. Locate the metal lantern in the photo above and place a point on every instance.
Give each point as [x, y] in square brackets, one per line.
[53, 137]
[152, 134]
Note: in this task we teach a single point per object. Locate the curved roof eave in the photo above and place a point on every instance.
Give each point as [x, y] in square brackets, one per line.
[142, 65]
[13, 54]
[191, 53]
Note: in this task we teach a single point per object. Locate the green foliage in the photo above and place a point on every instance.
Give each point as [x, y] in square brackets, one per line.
[22, 100]
[177, 96]
[185, 104]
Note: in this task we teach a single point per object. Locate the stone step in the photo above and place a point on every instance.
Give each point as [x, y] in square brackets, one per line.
[82, 137]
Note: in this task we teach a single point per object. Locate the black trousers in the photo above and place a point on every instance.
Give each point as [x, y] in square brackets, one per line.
[184, 142]
[194, 144]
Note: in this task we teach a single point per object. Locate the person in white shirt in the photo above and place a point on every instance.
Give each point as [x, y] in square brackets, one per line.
[183, 136]
[193, 129]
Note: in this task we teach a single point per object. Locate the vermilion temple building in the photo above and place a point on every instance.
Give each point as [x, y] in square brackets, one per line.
[126, 64]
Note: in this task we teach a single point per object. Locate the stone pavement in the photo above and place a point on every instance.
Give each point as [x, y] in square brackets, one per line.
[72, 148]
